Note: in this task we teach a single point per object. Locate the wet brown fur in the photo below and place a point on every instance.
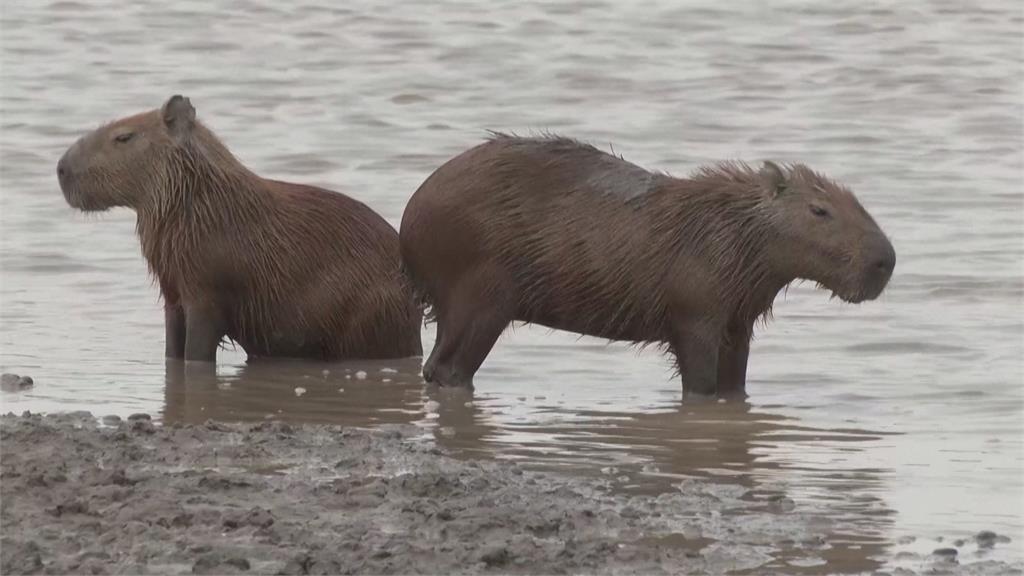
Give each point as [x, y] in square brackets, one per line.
[555, 232]
[285, 269]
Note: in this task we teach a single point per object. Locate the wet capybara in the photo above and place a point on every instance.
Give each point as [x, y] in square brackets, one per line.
[554, 232]
[282, 269]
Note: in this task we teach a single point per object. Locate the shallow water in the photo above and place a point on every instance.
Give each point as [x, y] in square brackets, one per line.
[896, 419]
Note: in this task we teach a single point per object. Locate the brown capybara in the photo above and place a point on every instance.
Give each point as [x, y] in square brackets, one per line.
[555, 232]
[282, 269]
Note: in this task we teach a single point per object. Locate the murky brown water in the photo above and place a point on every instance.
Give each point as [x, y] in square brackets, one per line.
[899, 418]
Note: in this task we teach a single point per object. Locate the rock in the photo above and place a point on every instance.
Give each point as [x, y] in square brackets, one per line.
[214, 563]
[309, 564]
[629, 512]
[946, 554]
[139, 416]
[214, 426]
[496, 557]
[111, 420]
[257, 517]
[70, 507]
[118, 478]
[986, 539]
[237, 562]
[141, 425]
[12, 382]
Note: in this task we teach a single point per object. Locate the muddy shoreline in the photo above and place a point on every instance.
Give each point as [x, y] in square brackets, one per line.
[129, 496]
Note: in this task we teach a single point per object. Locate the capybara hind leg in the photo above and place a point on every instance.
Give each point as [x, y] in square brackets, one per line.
[697, 356]
[203, 333]
[174, 331]
[732, 364]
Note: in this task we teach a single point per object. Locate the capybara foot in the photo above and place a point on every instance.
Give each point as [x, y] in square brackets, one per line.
[428, 370]
[695, 397]
[444, 375]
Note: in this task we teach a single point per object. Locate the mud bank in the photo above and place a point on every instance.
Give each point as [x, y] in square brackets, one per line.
[133, 497]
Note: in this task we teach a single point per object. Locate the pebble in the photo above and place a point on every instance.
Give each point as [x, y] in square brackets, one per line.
[389, 370]
[299, 390]
[341, 389]
[386, 380]
[361, 375]
[326, 373]
[431, 406]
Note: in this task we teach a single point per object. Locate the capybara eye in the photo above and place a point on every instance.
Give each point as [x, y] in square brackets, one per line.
[819, 211]
[122, 138]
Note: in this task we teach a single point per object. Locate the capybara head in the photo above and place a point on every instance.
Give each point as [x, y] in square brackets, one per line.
[827, 236]
[120, 163]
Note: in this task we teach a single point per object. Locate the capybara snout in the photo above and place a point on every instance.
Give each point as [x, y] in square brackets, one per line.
[555, 232]
[282, 269]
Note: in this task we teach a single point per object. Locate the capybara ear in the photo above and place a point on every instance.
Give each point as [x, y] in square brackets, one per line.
[178, 115]
[774, 178]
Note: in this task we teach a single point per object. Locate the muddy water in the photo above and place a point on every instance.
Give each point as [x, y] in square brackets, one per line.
[898, 422]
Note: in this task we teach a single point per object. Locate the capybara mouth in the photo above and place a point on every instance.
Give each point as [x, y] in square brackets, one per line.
[861, 293]
[77, 200]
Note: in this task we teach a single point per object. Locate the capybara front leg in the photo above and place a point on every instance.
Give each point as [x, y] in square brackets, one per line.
[203, 332]
[697, 356]
[732, 363]
[475, 343]
[174, 331]
[468, 326]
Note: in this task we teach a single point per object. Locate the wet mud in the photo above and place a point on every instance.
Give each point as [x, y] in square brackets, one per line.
[88, 496]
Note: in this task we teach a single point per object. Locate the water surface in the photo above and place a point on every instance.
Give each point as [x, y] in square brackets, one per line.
[897, 422]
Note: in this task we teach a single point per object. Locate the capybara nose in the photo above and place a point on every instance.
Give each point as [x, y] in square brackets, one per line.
[886, 261]
[62, 168]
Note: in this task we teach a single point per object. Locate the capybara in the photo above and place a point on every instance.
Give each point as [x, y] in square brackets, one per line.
[552, 231]
[282, 269]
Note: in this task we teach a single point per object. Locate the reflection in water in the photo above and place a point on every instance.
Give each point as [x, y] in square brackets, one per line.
[727, 443]
[362, 394]
[730, 444]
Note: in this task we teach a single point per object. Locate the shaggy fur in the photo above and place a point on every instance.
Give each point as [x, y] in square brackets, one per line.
[552, 231]
[291, 270]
